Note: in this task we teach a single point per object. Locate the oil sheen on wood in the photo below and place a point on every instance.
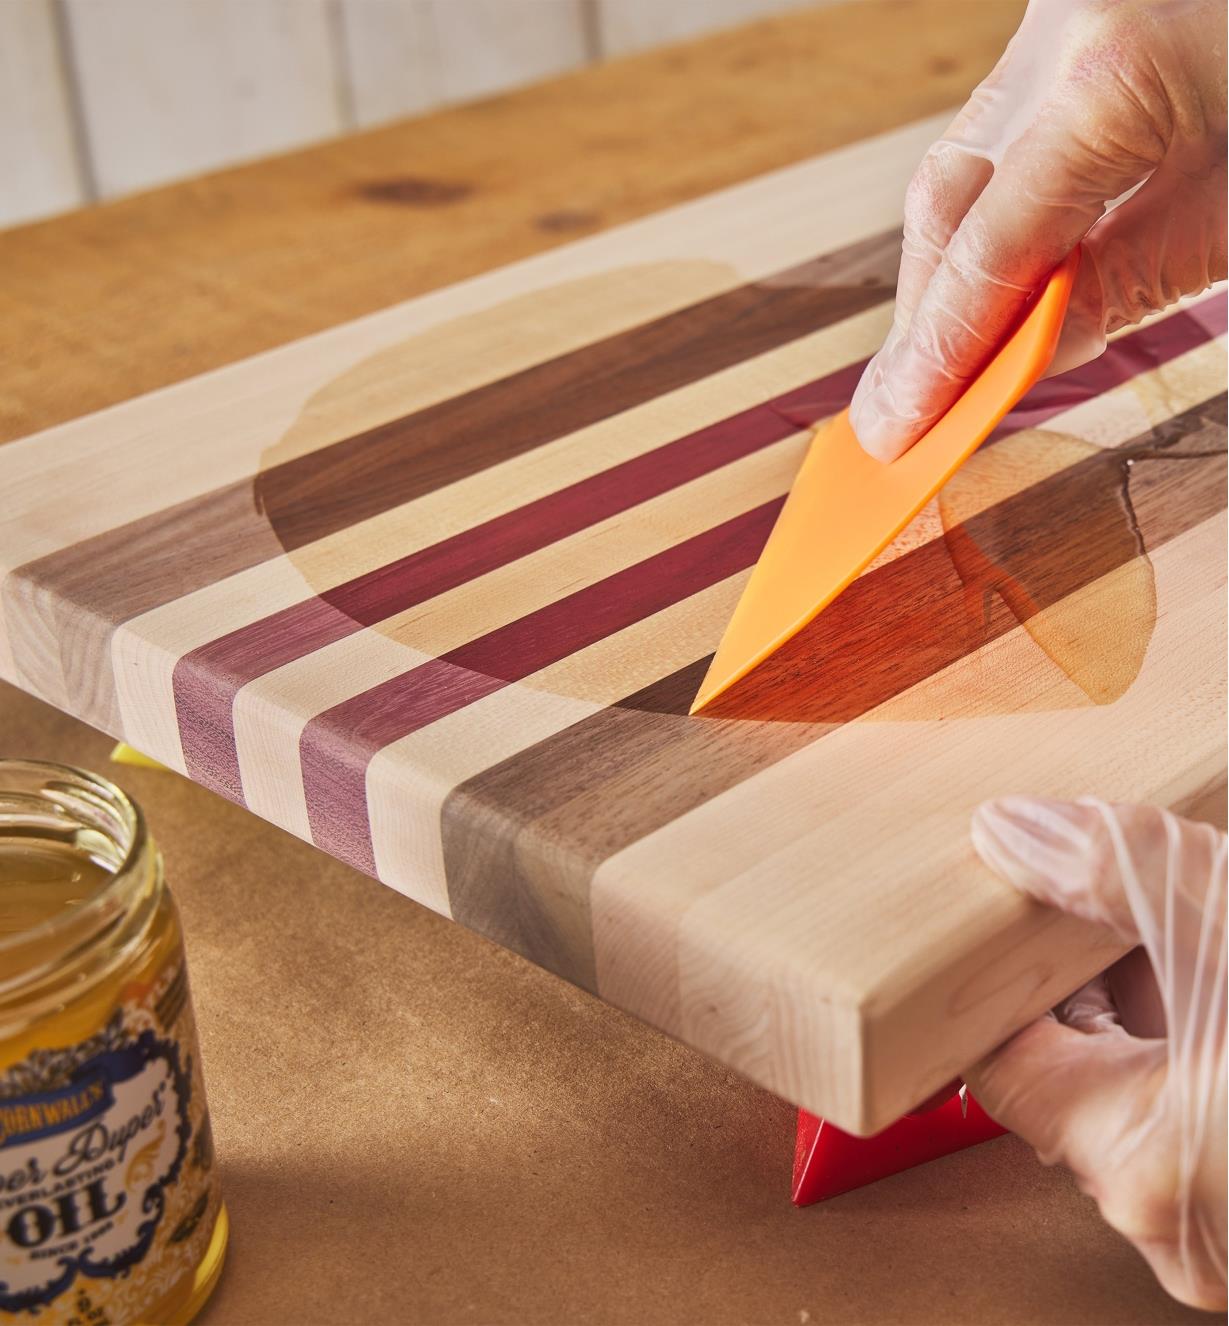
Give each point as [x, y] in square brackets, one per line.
[434, 590]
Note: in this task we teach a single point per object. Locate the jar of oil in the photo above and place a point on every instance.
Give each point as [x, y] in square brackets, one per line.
[110, 1211]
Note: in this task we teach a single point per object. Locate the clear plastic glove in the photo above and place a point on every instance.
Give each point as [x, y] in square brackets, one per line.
[1125, 1081]
[1091, 99]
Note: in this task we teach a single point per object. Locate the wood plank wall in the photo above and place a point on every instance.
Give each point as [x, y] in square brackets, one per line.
[103, 97]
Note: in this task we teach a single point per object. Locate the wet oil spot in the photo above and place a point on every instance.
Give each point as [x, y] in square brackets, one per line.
[415, 191]
[944, 64]
[1098, 632]
[566, 219]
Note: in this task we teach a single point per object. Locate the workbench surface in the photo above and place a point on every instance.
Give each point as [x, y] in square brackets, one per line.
[416, 1125]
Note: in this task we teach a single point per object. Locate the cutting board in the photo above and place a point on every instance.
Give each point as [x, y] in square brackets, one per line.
[434, 590]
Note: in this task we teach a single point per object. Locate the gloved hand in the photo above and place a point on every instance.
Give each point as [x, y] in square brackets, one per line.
[1125, 1081]
[1091, 99]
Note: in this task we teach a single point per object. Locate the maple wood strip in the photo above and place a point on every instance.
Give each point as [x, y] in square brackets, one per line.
[131, 569]
[917, 601]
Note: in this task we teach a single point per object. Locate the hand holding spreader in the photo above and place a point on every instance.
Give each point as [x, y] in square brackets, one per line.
[845, 507]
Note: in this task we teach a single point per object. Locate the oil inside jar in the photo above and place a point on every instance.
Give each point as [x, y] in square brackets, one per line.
[42, 878]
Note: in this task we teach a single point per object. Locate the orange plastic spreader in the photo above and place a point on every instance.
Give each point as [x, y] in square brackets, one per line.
[845, 507]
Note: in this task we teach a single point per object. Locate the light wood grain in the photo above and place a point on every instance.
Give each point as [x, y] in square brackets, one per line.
[172, 89]
[40, 171]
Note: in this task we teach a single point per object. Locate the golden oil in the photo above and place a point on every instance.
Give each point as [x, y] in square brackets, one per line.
[110, 1209]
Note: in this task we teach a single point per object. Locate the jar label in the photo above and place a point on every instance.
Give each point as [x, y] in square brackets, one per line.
[103, 1156]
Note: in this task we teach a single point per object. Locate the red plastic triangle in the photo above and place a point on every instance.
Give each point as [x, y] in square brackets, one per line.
[828, 1162]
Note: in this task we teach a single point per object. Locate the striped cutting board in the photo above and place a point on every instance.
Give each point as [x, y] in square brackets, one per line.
[434, 590]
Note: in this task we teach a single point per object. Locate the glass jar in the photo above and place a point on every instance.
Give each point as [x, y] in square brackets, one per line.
[110, 1210]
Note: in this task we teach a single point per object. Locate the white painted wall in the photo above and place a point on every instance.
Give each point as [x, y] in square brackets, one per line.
[40, 165]
[102, 97]
[487, 46]
[173, 89]
[634, 25]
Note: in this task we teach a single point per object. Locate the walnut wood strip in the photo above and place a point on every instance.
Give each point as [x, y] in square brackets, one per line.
[615, 778]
